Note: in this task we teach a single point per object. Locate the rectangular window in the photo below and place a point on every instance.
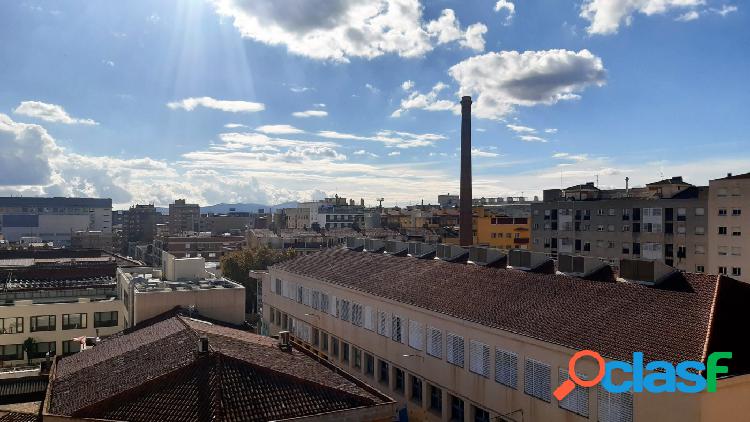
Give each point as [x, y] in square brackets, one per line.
[334, 347]
[324, 342]
[736, 251]
[345, 352]
[70, 347]
[434, 342]
[537, 380]
[737, 271]
[700, 230]
[399, 380]
[416, 389]
[700, 269]
[369, 318]
[397, 329]
[457, 409]
[614, 407]
[436, 399]
[722, 212]
[13, 325]
[73, 321]
[384, 328]
[479, 358]
[369, 365]
[736, 231]
[578, 399]
[416, 335]
[357, 314]
[42, 350]
[480, 415]
[700, 211]
[344, 310]
[722, 230]
[357, 358]
[43, 323]
[455, 349]
[736, 212]
[506, 368]
[11, 352]
[384, 372]
[723, 270]
[105, 319]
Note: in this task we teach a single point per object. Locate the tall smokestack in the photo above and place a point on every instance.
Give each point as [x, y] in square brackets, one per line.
[465, 216]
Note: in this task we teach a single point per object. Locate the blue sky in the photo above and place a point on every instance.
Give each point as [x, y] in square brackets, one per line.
[131, 100]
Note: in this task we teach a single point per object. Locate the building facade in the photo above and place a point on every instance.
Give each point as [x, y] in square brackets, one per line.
[665, 221]
[139, 225]
[500, 231]
[183, 217]
[53, 219]
[728, 197]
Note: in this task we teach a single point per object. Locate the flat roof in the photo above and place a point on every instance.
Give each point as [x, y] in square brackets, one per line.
[28, 201]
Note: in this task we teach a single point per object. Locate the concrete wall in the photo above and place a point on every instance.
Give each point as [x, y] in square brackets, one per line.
[729, 195]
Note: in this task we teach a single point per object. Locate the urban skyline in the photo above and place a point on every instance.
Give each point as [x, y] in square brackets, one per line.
[229, 114]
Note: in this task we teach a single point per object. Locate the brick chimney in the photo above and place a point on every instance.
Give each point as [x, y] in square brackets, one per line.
[465, 217]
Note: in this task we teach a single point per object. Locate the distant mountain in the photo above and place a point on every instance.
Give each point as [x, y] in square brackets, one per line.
[244, 207]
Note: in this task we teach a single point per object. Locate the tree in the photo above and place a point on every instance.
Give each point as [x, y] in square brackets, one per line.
[28, 347]
[237, 265]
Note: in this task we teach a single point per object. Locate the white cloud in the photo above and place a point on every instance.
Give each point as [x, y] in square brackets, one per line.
[476, 152]
[447, 29]
[606, 16]
[520, 129]
[299, 89]
[531, 138]
[279, 129]
[190, 104]
[109, 63]
[428, 101]
[153, 18]
[570, 157]
[335, 29]
[49, 113]
[310, 113]
[394, 153]
[319, 105]
[500, 81]
[407, 85]
[550, 131]
[234, 125]
[509, 7]
[725, 9]
[688, 16]
[389, 137]
[365, 153]
[371, 88]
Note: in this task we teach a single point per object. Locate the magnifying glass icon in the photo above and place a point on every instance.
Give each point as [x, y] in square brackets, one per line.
[568, 385]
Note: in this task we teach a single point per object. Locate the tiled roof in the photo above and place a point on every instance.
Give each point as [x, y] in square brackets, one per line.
[155, 373]
[17, 417]
[736, 176]
[614, 318]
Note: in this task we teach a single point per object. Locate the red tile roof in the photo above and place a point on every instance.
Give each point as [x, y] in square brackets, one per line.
[670, 323]
[155, 372]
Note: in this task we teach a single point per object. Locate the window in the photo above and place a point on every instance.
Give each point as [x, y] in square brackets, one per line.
[578, 399]
[736, 231]
[614, 407]
[400, 380]
[722, 212]
[681, 214]
[723, 270]
[383, 326]
[397, 329]
[436, 399]
[455, 349]
[626, 227]
[736, 212]
[736, 251]
[626, 248]
[11, 352]
[700, 211]
[723, 250]
[73, 321]
[345, 352]
[357, 358]
[737, 271]
[42, 350]
[681, 230]
[43, 323]
[11, 325]
[105, 319]
[344, 310]
[434, 342]
[335, 346]
[506, 368]
[416, 389]
[537, 380]
[383, 373]
[700, 230]
[369, 318]
[700, 249]
[416, 335]
[70, 347]
[722, 230]
[700, 269]
[324, 342]
[369, 364]
[457, 409]
[611, 211]
[357, 314]
[610, 227]
[480, 415]
[479, 358]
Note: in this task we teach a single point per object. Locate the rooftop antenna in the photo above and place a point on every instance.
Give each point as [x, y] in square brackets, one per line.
[597, 180]
[380, 202]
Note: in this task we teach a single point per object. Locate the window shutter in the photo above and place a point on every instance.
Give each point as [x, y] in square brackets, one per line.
[614, 407]
[455, 349]
[397, 328]
[334, 306]
[384, 326]
[506, 368]
[578, 399]
[285, 289]
[316, 299]
[344, 310]
[537, 380]
[356, 314]
[369, 318]
[325, 303]
[416, 335]
[479, 358]
[435, 342]
[273, 286]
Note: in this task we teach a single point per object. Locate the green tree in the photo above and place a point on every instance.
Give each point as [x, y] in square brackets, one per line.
[28, 347]
[237, 265]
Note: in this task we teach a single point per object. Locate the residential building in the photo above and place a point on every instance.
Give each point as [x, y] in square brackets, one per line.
[179, 283]
[53, 219]
[448, 201]
[302, 241]
[728, 198]
[234, 223]
[330, 213]
[500, 231]
[91, 239]
[464, 342]
[200, 245]
[139, 225]
[183, 217]
[190, 370]
[664, 221]
[298, 218]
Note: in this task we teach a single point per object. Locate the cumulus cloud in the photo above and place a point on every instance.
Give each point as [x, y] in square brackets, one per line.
[724, 10]
[279, 129]
[508, 7]
[310, 113]
[394, 153]
[49, 113]
[570, 157]
[365, 153]
[500, 81]
[232, 106]
[531, 138]
[606, 16]
[234, 125]
[550, 130]
[390, 138]
[447, 29]
[24, 157]
[428, 101]
[407, 85]
[520, 129]
[339, 29]
[476, 152]
[688, 16]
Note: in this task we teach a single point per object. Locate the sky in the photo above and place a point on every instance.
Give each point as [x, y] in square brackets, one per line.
[269, 101]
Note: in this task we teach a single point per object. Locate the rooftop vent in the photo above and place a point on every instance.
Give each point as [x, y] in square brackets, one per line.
[579, 266]
[355, 243]
[529, 261]
[396, 248]
[284, 341]
[422, 250]
[203, 345]
[488, 257]
[374, 245]
[452, 253]
[644, 271]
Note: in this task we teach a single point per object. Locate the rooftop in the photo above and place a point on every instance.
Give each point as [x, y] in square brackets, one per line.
[83, 283]
[730, 176]
[154, 372]
[684, 318]
[27, 201]
[144, 283]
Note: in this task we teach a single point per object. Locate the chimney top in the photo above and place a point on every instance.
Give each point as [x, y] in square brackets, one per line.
[466, 99]
[729, 174]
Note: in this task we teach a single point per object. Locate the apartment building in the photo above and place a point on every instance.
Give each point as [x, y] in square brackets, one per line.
[139, 225]
[233, 222]
[664, 221]
[727, 199]
[499, 230]
[202, 245]
[463, 342]
[183, 217]
[53, 219]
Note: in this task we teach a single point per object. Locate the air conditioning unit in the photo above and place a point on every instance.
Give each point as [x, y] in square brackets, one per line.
[284, 341]
[526, 260]
[355, 243]
[203, 345]
[487, 256]
[451, 253]
[374, 245]
[581, 266]
[422, 250]
[644, 271]
[395, 247]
